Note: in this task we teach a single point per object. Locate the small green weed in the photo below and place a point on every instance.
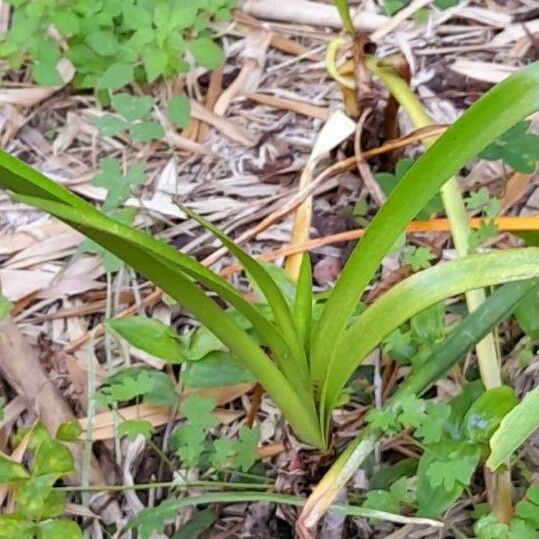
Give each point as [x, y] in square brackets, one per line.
[454, 437]
[37, 504]
[112, 43]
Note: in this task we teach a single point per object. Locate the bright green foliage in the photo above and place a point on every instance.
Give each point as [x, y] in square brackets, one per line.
[152, 386]
[133, 428]
[149, 335]
[417, 257]
[487, 230]
[191, 443]
[179, 111]
[490, 207]
[69, 431]
[527, 315]
[388, 182]
[307, 380]
[392, 500]
[454, 434]
[37, 504]
[524, 525]
[431, 428]
[517, 148]
[188, 439]
[481, 200]
[134, 117]
[112, 43]
[118, 185]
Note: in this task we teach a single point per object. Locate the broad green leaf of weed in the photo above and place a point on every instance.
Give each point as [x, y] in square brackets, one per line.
[216, 369]
[392, 6]
[129, 387]
[116, 76]
[11, 471]
[132, 107]
[66, 23]
[522, 529]
[110, 126]
[398, 345]
[417, 257]
[133, 428]
[247, 447]
[458, 469]
[118, 185]
[380, 500]
[481, 200]
[179, 111]
[516, 147]
[388, 182]
[149, 335]
[36, 499]
[188, 442]
[411, 411]
[69, 431]
[155, 63]
[385, 420]
[489, 527]
[188, 439]
[46, 74]
[198, 411]
[224, 450]
[16, 527]
[103, 42]
[432, 424]
[146, 131]
[52, 457]
[390, 500]
[207, 53]
[528, 509]
[56, 529]
[486, 413]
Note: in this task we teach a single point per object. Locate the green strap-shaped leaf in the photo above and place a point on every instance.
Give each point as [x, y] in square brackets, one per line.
[443, 357]
[274, 297]
[303, 302]
[416, 294]
[465, 335]
[296, 404]
[516, 427]
[494, 113]
[23, 180]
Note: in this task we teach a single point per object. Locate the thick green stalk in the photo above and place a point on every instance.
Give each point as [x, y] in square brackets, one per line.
[487, 353]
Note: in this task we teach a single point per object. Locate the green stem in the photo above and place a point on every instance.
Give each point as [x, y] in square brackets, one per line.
[166, 484]
[344, 12]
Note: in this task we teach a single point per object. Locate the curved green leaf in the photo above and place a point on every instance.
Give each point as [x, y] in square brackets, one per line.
[516, 427]
[494, 113]
[416, 294]
[296, 405]
[149, 335]
[443, 357]
[272, 293]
